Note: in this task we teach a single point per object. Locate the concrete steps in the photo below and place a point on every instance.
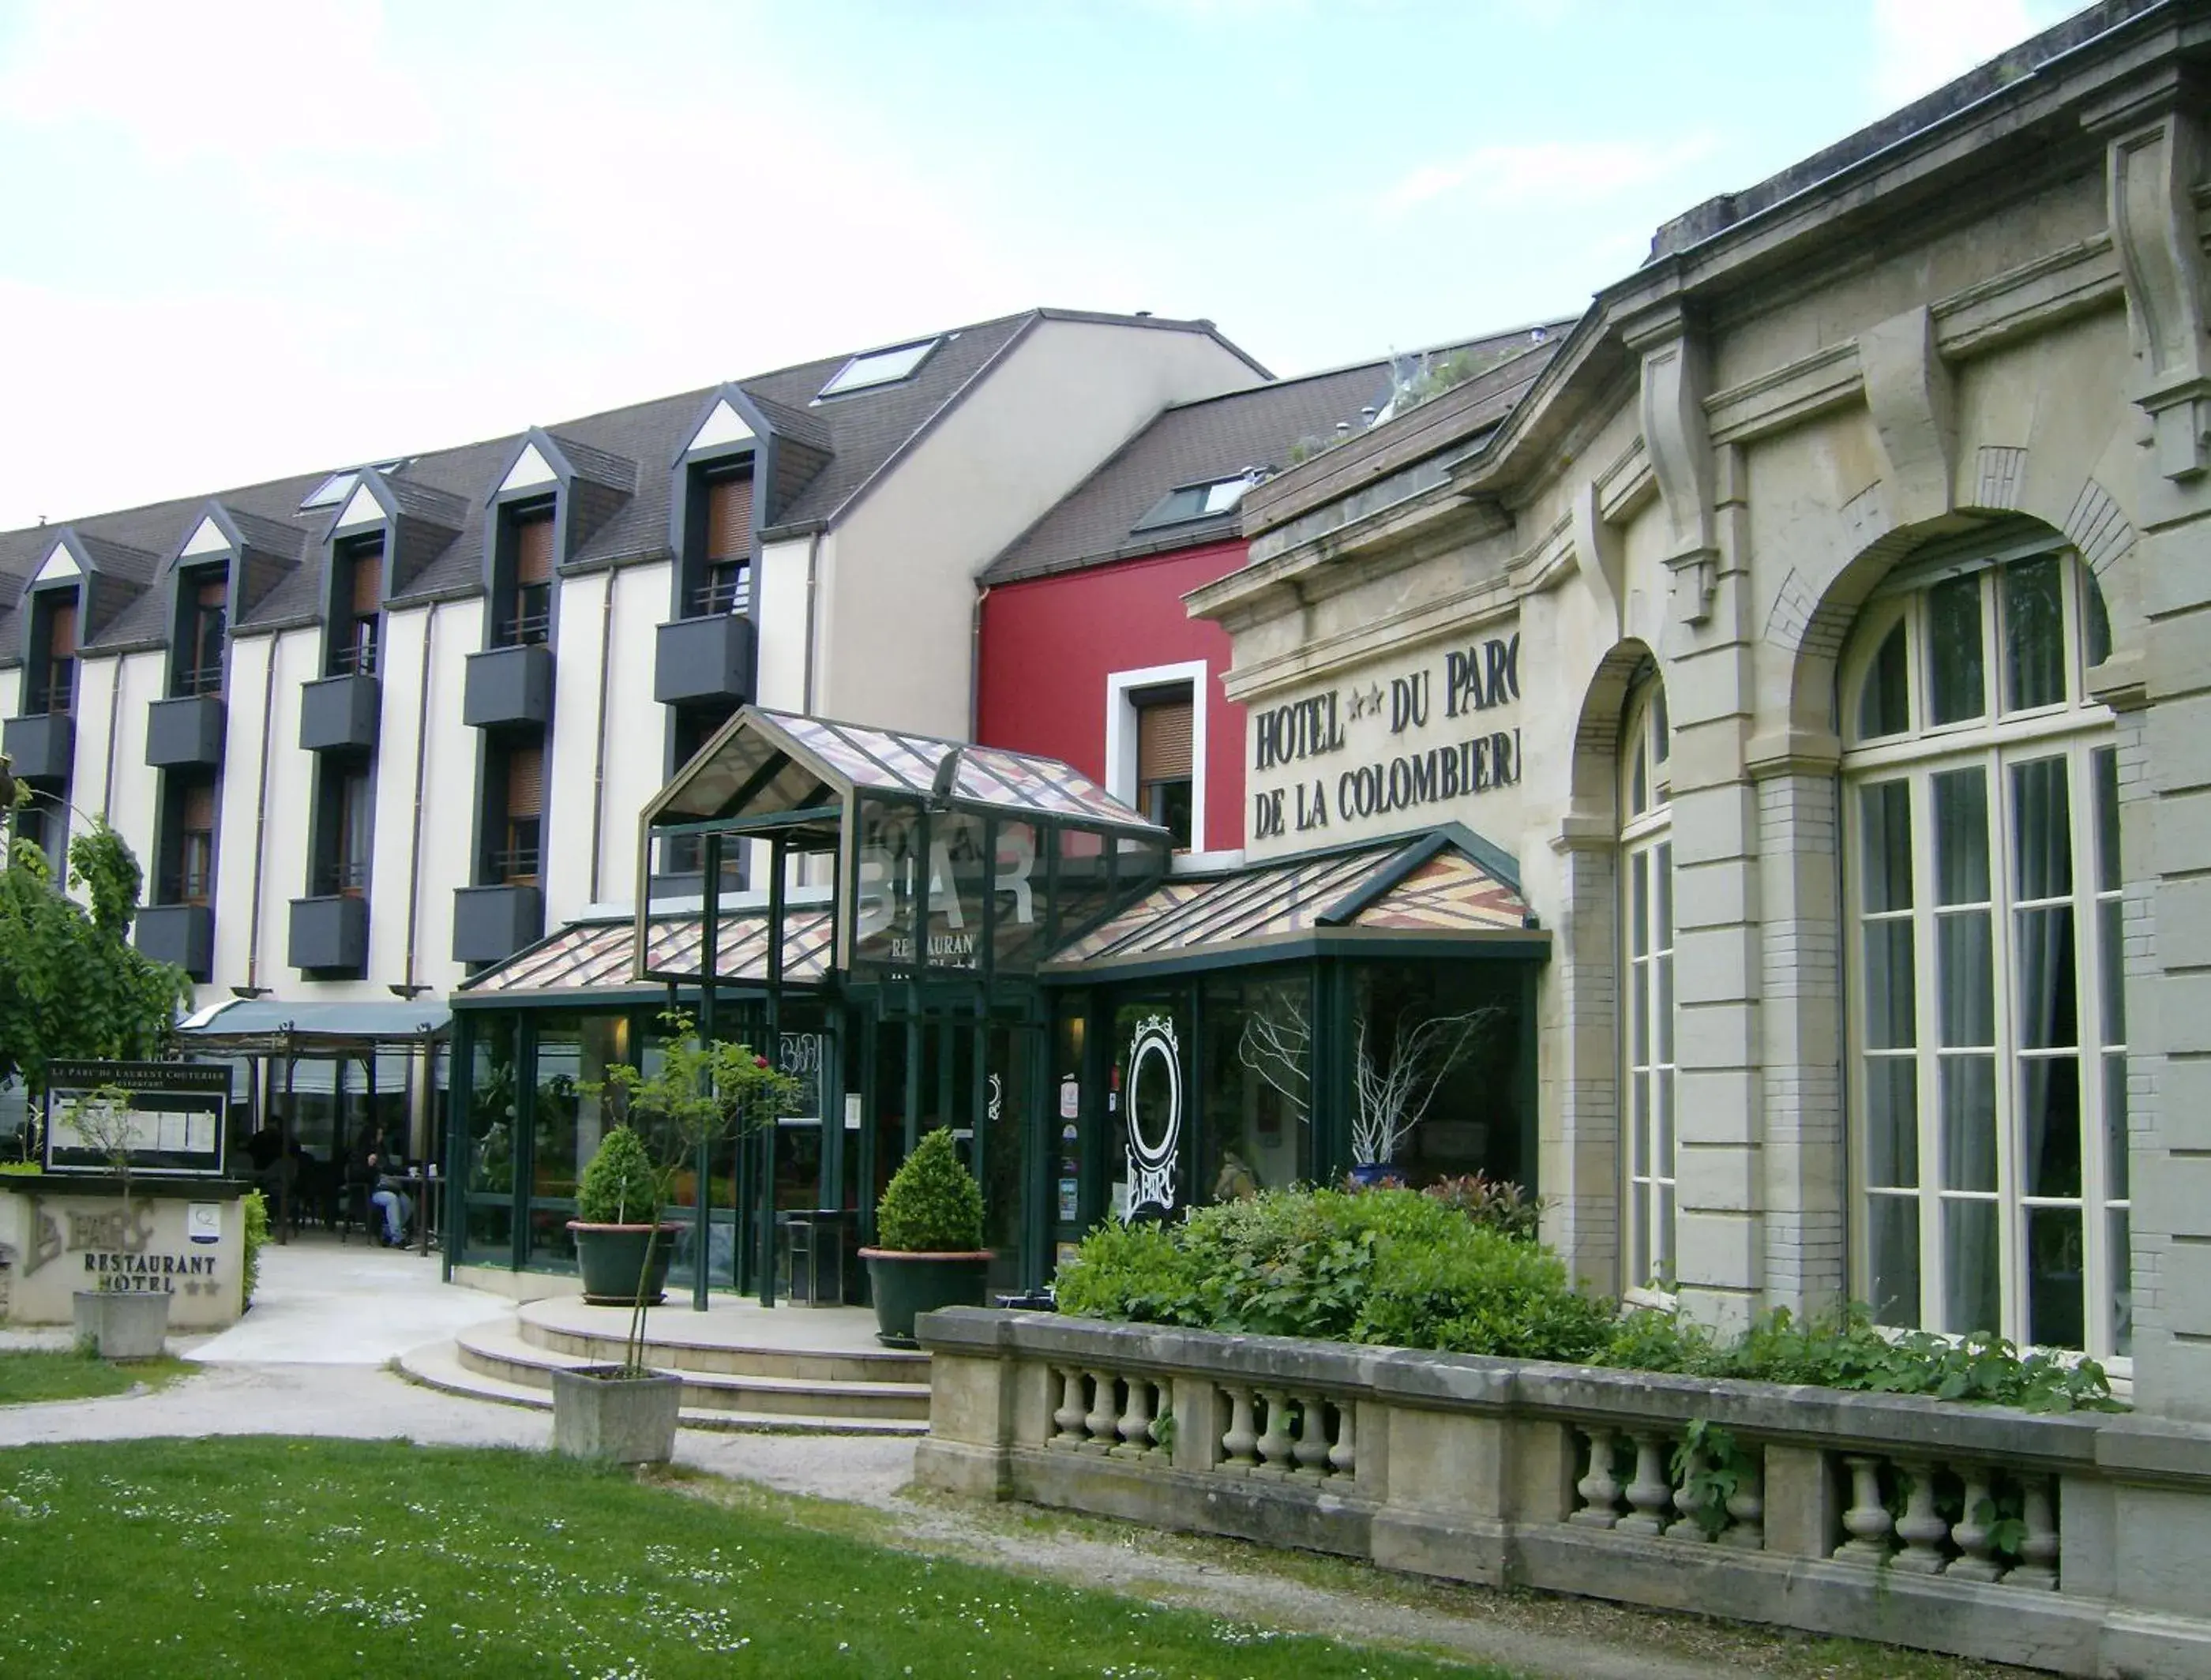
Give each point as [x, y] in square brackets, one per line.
[494, 1362]
[861, 1367]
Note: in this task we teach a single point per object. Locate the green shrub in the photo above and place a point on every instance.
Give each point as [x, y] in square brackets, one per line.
[619, 1187]
[932, 1205]
[255, 1212]
[1401, 1268]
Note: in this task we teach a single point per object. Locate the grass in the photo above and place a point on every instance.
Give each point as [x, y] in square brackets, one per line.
[256, 1556]
[28, 1377]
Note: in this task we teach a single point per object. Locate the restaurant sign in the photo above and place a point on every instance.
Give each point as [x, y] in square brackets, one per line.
[177, 1109]
[1389, 749]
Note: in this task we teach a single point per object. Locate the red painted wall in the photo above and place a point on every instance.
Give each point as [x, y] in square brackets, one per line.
[1049, 645]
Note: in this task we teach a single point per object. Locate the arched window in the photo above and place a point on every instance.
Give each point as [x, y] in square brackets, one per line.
[1987, 1032]
[1646, 873]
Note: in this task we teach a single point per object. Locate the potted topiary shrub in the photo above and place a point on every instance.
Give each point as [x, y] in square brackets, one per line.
[116, 1323]
[701, 1093]
[929, 1247]
[622, 1245]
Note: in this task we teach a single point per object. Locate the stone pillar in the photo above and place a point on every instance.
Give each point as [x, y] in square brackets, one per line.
[1806, 1193]
[1578, 1144]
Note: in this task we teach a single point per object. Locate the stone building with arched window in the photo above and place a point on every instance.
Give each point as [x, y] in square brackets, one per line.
[1825, 628]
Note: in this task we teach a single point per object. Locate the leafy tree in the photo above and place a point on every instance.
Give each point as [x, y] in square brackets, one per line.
[70, 984]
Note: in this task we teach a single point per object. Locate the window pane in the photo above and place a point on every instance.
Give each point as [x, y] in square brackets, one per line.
[2117, 1177]
[2047, 1016]
[1665, 1234]
[1969, 1296]
[1961, 837]
[2053, 1276]
[1662, 1162]
[1666, 1010]
[1885, 822]
[1969, 1123]
[1638, 1252]
[1663, 885]
[1892, 1237]
[1642, 1039]
[1892, 1123]
[1640, 1094]
[2049, 1126]
[2042, 829]
[2097, 632]
[1956, 682]
[1662, 733]
[1885, 702]
[2105, 770]
[1638, 903]
[1638, 796]
[1964, 967]
[2121, 1285]
[2034, 633]
[1888, 985]
[2111, 966]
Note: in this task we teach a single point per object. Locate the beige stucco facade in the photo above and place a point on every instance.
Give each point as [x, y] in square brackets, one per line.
[1983, 327]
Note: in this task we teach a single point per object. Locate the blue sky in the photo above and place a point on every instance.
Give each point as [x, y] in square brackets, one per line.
[259, 237]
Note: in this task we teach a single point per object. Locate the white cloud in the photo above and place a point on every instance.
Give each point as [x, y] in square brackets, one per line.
[1919, 45]
[1543, 172]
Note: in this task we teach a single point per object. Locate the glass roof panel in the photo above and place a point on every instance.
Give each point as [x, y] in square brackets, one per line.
[879, 367]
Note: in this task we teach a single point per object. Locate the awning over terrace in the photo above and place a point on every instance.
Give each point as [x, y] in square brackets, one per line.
[598, 956]
[268, 1026]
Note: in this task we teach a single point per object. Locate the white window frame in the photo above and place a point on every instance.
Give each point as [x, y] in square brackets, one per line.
[1646, 981]
[1121, 733]
[2076, 730]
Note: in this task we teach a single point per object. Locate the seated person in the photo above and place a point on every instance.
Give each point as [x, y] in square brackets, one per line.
[387, 1166]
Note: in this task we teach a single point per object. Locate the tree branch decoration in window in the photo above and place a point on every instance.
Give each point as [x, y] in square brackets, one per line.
[1277, 1045]
[1395, 1088]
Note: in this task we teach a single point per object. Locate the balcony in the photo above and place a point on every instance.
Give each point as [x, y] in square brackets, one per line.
[41, 746]
[180, 934]
[491, 923]
[186, 733]
[509, 687]
[703, 659]
[329, 935]
[339, 714]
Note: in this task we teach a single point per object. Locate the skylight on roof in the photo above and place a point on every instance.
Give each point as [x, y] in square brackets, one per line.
[1198, 501]
[879, 367]
[339, 485]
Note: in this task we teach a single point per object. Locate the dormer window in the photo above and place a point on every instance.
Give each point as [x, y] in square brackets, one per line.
[53, 653]
[525, 606]
[202, 620]
[1188, 502]
[360, 595]
[879, 367]
[726, 585]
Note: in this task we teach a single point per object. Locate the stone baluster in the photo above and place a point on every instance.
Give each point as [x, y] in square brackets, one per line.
[1343, 1457]
[1599, 1489]
[1239, 1440]
[1651, 1492]
[1868, 1519]
[1921, 1528]
[1277, 1447]
[2038, 1553]
[1160, 1436]
[1745, 1507]
[1975, 1530]
[1136, 1420]
[1311, 1450]
[1104, 1421]
[1689, 1499]
[1072, 1407]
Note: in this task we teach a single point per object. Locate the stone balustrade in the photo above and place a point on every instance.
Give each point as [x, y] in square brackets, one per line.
[2076, 1543]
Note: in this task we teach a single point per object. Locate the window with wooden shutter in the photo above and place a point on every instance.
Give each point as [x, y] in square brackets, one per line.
[61, 654]
[530, 610]
[518, 861]
[533, 548]
[195, 845]
[364, 599]
[730, 518]
[200, 663]
[1164, 754]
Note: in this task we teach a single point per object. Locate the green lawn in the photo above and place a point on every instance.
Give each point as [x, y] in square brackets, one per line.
[266, 1557]
[29, 1377]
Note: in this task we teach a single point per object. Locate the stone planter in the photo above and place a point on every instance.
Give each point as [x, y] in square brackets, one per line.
[122, 1324]
[906, 1285]
[610, 1257]
[598, 1413]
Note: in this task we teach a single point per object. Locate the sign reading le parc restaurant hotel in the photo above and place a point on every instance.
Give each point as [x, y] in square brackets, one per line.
[1392, 745]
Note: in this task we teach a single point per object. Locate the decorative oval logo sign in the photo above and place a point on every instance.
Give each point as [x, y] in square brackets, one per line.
[1154, 1115]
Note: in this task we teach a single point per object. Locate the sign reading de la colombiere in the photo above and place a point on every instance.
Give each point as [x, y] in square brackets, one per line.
[1379, 750]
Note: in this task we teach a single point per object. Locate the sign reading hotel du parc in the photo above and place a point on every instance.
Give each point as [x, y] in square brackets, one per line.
[1410, 740]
